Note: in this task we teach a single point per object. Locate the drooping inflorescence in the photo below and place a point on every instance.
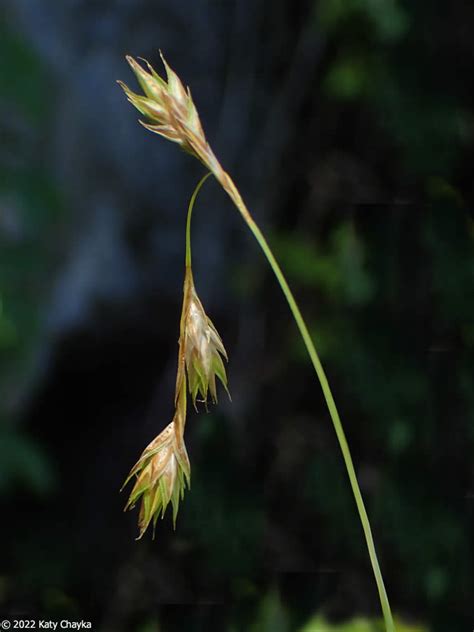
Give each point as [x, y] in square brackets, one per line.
[170, 112]
[163, 470]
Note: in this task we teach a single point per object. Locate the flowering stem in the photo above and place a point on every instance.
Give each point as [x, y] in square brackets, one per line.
[229, 186]
[173, 115]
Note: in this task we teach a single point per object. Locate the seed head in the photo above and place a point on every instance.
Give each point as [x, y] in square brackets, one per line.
[202, 347]
[169, 109]
[162, 473]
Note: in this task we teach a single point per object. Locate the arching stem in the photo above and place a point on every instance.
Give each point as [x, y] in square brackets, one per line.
[188, 219]
[225, 180]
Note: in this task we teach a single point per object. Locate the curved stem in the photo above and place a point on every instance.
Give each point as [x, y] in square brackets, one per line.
[229, 186]
[188, 219]
[188, 282]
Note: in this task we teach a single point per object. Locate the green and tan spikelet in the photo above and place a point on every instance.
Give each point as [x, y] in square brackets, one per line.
[201, 347]
[162, 474]
[169, 109]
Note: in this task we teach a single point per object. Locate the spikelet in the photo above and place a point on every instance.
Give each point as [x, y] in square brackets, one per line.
[201, 347]
[169, 110]
[162, 474]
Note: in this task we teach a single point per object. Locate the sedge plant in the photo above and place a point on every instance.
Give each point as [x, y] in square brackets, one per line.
[163, 470]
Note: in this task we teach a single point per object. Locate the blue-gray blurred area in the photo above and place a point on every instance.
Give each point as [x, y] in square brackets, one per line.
[349, 129]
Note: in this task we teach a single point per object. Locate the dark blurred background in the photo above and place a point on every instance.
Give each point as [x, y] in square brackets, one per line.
[349, 129]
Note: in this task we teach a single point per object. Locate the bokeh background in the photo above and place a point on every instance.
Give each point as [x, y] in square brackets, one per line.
[349, 129]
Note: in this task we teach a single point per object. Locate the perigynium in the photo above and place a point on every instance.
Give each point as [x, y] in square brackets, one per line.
[170, 112]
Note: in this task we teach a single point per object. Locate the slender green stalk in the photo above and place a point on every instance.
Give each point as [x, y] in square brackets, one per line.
[236, 198]
[188, 219]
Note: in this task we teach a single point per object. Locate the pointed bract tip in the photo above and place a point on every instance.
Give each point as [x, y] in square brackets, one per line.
[130, 60]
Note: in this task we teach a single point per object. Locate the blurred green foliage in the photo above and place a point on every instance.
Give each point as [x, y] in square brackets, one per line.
[319, 624]
[23, 81]
[386, 20]
[29, 209]
[381, 62]
[23, 463]
[272, 616]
